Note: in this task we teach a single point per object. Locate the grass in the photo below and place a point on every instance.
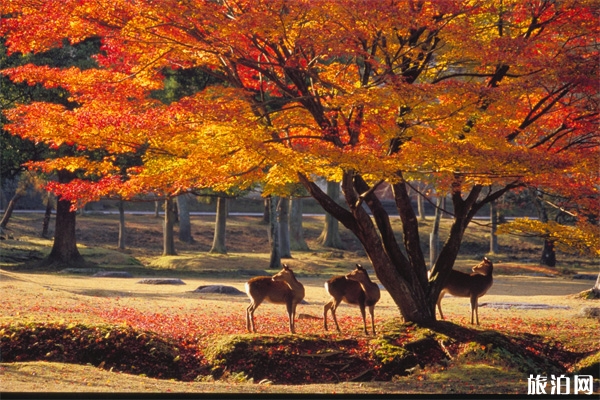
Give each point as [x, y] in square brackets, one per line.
[209, 329]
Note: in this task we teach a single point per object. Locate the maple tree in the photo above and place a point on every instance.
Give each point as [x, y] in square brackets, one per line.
[475, 98]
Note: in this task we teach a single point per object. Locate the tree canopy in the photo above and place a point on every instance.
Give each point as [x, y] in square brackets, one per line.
[475, 97]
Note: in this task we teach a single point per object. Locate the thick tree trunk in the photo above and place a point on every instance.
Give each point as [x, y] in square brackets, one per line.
[402, 271]
[9, 209]
[121, 240]
[168, 235]
[185, 224]
[283, 219]
[218, 245]
[64, 251]
[330, 236]
[297, 241]
[275, 260]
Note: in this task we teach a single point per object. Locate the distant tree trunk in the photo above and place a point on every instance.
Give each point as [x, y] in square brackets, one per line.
[218, 245]
[2, 197]
[9, 209]
[548, 254]
[330, 236]
[121, 240]
[434, 236]
[266, 211]
[156, 209]
[64, 251]
[421, 207]
[283, 218]
[47, 216]
[494, 228]
[185, 224]
[168, 236]
[548, 257]
[275, 261]
[297, 241]
[175, 211]
[596, 288]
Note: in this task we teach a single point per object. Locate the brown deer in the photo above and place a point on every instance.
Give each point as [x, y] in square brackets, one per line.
[474, 285]
[355, 288]
[281, 288]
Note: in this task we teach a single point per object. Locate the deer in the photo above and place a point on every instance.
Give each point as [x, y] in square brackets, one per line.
[281, 288]
[355, 288]
[472, 285]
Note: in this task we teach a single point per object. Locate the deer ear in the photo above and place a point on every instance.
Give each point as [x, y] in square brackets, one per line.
[358, 266]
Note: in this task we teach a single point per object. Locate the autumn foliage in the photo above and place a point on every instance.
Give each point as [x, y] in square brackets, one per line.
[474, 97]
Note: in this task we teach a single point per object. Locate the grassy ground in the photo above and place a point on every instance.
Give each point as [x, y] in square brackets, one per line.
[555, 333]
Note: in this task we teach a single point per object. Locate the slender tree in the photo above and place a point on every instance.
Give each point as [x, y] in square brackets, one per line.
[330, 235]
[219, 244]
[297, 241]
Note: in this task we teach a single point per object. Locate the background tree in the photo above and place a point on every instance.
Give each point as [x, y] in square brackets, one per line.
[185, 224]
[297, 241]
[330, 235]
[219, 244]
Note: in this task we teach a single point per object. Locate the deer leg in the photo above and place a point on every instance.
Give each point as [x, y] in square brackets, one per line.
[291, 309]
[334, 305]
[372, 312]
[364, 317]
[250, 315]
[250, 318]
[327, 307]
[474, 309]
[439, 304]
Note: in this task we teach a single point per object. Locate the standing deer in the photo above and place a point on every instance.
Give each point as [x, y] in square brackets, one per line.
[281, 288]
[354, 288]
[474, 285]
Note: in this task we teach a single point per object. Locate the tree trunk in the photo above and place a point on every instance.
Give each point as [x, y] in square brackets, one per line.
[494, 228]
[275, 260]
[64, 251]
[185, 224]
[297, 241]
[434, 236]
[156, 209]
[402, 271]
[218, 245]
[421, 207]
[266, 212]
[548, 256]
[9, 209]
[596, 288]
[168, 236]
[330, 236]
[47, 216]
[121, 240]
[283, 219]
[175, 212]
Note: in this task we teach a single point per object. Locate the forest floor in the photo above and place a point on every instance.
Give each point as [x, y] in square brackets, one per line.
[531, 319]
